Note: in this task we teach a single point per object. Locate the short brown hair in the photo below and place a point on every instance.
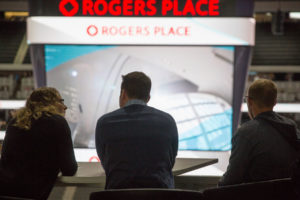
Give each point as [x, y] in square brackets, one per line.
[263, 92]
[137, 85]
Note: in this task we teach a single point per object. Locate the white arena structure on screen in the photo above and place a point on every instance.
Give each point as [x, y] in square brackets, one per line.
[200, 99]
[203, 120]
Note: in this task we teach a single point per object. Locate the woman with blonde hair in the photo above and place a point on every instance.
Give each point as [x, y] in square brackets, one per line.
[37, 146]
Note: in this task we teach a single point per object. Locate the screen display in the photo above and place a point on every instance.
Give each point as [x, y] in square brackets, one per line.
[194, 84]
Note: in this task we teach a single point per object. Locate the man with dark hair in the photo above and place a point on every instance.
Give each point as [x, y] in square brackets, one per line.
[137, 144]
[265, 147]
[135, 85]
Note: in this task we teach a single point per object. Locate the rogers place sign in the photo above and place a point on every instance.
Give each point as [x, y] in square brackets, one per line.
[93, 30]
[139, 7]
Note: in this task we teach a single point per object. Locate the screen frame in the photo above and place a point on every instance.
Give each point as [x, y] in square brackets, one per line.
[242, 58]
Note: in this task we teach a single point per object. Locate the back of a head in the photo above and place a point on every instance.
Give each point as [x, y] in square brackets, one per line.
[137, 85]
[43, 96]
[40, 100]
[263, 92]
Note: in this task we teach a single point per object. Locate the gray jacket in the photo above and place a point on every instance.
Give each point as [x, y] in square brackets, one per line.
[262, 149]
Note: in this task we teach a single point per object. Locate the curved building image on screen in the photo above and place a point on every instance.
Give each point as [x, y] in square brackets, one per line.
[194, 84]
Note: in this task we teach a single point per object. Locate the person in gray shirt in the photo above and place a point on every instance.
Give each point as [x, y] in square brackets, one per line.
[265, 147]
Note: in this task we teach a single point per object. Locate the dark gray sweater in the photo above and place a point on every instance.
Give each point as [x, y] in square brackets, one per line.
[262, 149]
[137, 146]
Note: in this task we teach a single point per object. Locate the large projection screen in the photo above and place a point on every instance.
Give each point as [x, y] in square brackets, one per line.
[203, 94]
[192, 83]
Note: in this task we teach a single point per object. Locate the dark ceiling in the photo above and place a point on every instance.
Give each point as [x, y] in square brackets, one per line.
[260, 5]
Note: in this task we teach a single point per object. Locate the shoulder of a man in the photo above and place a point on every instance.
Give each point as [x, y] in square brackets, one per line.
[249, 129]
[108, 116]
[120, 113]
[161, 113]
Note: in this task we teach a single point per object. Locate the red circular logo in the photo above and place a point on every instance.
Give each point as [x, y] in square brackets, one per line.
[64, 11]
[92, 30]
[94, 158]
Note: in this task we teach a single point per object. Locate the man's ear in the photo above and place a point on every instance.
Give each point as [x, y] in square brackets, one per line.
[148, 99]
[124, 93]
[123, 98]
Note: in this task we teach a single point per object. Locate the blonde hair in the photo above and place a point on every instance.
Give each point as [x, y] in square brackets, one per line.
[41, 101]
[263, 92]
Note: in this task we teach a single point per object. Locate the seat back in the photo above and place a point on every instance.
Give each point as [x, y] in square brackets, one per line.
[279, 189]
[13, 198]
[147, 194]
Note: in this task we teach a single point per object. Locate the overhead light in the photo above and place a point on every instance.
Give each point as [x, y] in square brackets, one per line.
[268, 14]
[294, 15]
[16, 14]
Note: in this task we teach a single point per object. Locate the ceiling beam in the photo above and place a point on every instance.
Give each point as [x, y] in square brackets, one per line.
[273, 6]
[17, 6]
[260, 6]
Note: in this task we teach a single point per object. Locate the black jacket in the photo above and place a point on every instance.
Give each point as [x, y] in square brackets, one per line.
[137, 146]
[31, 160]
[262, 149]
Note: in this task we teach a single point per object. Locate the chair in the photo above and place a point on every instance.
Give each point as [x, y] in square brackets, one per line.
[7, 192]
[146, 194]
[13, 198]
[279, 189]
